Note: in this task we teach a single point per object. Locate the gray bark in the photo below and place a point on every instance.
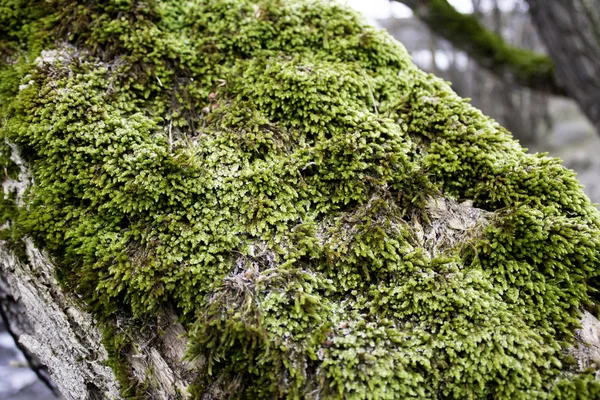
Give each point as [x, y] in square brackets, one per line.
[572, 35]
[52, 327]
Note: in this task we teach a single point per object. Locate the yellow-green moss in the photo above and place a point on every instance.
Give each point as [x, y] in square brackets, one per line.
[256, 166]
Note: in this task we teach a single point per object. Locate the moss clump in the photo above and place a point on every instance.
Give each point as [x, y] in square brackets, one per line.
[265, 168]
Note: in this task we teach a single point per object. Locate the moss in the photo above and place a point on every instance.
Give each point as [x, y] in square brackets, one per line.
[19, 21]
[259, 167]
[10, 229]
[10, 170]
[117, 344]
[584, 386]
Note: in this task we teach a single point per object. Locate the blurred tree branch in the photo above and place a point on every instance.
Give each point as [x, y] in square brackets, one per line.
[465, 32]
[571, 32]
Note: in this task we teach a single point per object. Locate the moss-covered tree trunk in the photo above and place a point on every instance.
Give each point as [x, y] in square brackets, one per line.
[568, 28]
[220, 199]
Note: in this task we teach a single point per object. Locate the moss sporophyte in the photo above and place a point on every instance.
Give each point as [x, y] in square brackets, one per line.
[327, 220]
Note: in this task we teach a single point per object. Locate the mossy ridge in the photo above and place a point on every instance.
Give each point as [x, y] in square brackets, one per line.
[255, 165]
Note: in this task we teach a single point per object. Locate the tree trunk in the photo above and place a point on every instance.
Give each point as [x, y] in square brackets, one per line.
[51, 327]
[64, 345]
[335, 224]
[570, 31]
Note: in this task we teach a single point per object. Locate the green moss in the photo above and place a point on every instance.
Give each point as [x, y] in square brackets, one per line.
[10, 229]
[260, 167]
[10, 170]
[581, 387]
[20, 22]
[117, 344]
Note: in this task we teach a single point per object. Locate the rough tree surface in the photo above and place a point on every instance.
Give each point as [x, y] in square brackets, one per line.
[267, 199]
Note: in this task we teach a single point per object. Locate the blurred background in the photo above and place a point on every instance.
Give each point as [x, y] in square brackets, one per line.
[537, 111]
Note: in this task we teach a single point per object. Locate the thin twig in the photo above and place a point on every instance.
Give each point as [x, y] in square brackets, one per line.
[370, 91]
[170, 136]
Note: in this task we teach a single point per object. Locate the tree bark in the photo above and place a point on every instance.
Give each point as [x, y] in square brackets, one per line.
[571, 33]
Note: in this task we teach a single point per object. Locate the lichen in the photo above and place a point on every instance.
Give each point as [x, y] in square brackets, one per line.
[268, 169]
